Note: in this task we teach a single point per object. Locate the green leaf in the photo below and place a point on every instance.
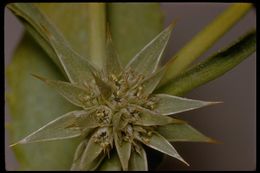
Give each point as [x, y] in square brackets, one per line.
[213, 67]
[72, 93]
[205, 39]
[92, 155]
[147, 60]
[168, 104]
[151, 83]
[182, 132]
[66, 126]
[159, 143]
[112, 63]
[138, 162]
[32, 104]
[111, 164]
[144, 22]
[123, 150]
[77, 68]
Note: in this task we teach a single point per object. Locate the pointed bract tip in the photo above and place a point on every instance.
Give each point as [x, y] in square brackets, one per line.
[214, 141]
[39, 77]
[213, 103]
[173, 24]
[23, 141]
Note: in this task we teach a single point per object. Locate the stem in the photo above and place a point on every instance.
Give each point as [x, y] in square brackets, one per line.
[96, 32]
[212, 67]
[205, 39]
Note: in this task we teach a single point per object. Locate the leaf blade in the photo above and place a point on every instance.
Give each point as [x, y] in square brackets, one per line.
[213, 67]
[182, 132]
[169, 104]
[159, 143]
[147, 60]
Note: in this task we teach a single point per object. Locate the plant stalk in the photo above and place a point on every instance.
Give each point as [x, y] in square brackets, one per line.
[96, 32]
[205, 39]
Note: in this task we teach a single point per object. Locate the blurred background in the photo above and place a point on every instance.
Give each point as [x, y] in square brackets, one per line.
[233, 122]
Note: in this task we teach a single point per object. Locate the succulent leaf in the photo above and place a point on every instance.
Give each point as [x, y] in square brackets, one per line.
[138, 162]
[182, 132]
[124, 150]
[61, 128]
[147, 60]
[74, 94]
[161, 144]
[168, 104]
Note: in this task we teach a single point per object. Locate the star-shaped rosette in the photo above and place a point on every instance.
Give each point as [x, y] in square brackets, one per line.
[118, 113]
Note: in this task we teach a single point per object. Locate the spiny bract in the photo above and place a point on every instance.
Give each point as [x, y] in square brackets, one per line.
[119, 113]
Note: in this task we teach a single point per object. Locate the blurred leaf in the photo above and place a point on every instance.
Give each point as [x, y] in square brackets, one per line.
[77, 69]
[205, 39]
[182, 132]
[32, 104]
[213, 67]
[133, 25]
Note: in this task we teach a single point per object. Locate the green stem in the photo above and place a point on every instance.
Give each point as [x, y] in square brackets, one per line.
[96, 32]
[212, 68]
[205, 39]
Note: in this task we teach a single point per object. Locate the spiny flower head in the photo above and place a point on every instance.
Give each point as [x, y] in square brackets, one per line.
[118, 112]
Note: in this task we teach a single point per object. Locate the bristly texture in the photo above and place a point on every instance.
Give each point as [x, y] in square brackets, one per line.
[118, 113]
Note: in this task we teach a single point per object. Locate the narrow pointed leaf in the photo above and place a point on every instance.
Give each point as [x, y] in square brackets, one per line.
[213, 67]
[147, 119]
[69, 91]
[182, 132]
[138, 162]
[124, 150]
[147, 60]
[91, 157]
[159, 143]
[61, 128]
[76, 68]
[78, 154]
[151, 83]
[104, 88]
[111, 164]
[168, 104]
[112, 65]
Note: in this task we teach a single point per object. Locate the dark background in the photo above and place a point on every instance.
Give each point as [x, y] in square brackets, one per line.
[233, 122]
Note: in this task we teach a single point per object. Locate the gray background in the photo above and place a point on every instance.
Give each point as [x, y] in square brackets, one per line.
[233, 122]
